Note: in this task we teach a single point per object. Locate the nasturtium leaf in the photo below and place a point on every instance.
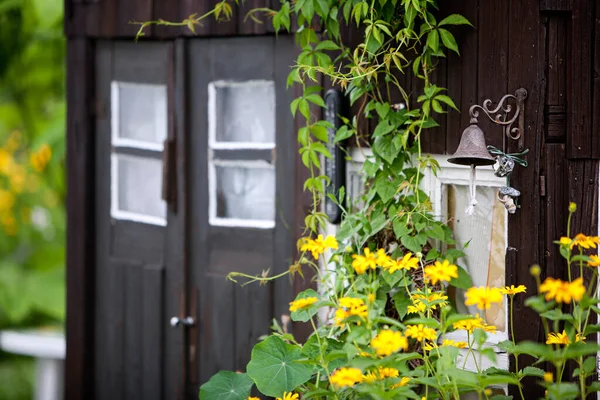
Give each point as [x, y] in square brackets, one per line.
[306, 313]
[274, 369]
[227, 385]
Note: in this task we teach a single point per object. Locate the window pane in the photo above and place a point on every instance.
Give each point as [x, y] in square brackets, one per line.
[142, 114]
[245, 193]
[243, 111]
[485, 232]
[138, 184]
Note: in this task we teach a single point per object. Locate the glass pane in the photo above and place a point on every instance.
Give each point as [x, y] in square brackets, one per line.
[138, 185]
[142, 113]
[246, 193]
[485, 232]
[243, 111]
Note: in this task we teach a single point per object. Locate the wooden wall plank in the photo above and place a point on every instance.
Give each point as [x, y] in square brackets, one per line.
[132, 341]
[556, 67]
[526, 59]
[555, 203]
[579, 79]
[80, 222]
[151, 328]
[492, 67]
[462, 73]
[133, 10]
[596, 88]
[252, 305]
[246, 26]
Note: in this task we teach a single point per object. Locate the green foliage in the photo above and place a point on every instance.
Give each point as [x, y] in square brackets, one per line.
[391, 262]
[275, 367]
[227, 385]
[32, 183]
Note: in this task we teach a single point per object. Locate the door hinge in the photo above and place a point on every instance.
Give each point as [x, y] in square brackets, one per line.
[542, 186]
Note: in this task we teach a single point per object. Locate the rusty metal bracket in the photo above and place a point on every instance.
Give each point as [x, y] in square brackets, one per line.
[503, 114]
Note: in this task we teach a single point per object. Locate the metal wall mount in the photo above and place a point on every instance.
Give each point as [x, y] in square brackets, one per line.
[504, 115]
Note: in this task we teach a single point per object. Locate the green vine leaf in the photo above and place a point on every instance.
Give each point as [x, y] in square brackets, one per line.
[448, 40]
[454, 19]
[275, 369]
[227, 385]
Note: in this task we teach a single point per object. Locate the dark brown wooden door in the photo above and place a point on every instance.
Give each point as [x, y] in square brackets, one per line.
[139, 273]
[195, 178]
[242, 174]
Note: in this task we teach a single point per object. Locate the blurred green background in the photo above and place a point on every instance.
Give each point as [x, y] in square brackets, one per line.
[32, 178]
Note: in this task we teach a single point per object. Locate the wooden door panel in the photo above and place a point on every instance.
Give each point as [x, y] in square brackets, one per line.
[233, 317]
[130, 255]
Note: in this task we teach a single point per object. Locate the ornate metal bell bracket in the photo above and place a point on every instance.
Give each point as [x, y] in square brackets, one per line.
[501, 115]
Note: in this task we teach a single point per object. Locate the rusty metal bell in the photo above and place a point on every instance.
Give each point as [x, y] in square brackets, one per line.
[472, 149]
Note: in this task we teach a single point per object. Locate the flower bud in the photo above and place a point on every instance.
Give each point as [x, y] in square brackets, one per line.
[572, 207]
[535, 270]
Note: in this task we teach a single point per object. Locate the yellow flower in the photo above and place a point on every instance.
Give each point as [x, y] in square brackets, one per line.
[428, 346]
[563, 292]
[420, 332]
[388, 342]
[535, 270]
[594, 261]
[350, 307]
[488, 392]
[370, 377]
[383, 260]
[253, 398]
[583, 241]
[565, 241]
[345, 377]
[288, 396]
[381, 374]
[403, 382]
[41, 158]
[548, 377]
[319, 245]
[473, 323]
[362, 263]
[388, 373]
[558, 338]
[7, 162]
[431, 300]
[512, 290]
[407, 262]
[416, 308]
[371, 297]
[7, 200]
[302, 303]
[441, 272]
[572, 207]
[460, 345]
[483, 297]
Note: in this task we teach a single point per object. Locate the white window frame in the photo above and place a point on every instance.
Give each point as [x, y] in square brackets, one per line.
[433, 185]
[116, 139]
[125, 215]
[120, 143]
[213, 162]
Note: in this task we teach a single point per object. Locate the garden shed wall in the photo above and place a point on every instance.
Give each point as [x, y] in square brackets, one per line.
[549, 47]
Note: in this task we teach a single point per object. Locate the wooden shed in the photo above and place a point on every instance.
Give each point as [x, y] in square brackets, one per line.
[169, 190]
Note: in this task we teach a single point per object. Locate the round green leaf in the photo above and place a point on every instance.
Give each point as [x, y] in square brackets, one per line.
[227, 385]
[306, 313]
[274, 369]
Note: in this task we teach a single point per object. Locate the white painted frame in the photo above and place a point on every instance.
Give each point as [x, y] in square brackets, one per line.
[116, 139]
[214, 144]
[433, 185]
[212, 193]
[115, 211]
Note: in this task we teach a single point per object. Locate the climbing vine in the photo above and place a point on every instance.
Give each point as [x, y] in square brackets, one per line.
[384, 318]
